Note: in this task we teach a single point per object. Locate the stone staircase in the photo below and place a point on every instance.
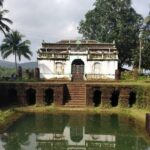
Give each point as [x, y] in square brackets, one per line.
[77, 95]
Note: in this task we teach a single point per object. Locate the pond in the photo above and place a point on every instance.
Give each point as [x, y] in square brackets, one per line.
[74, 131]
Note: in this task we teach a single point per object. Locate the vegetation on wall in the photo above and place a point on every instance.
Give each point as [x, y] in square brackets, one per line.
[6, 72]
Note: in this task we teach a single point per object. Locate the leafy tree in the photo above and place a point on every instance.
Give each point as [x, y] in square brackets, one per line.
[113, 20]
[145, 45]
[13, 44]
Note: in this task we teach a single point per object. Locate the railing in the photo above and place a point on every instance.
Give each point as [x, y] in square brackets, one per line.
[102, 56]
[53, 56]
[99, 76]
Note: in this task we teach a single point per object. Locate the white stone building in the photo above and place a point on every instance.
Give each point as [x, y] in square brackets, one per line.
[78, 60]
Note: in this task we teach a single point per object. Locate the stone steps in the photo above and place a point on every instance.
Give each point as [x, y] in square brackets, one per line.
[77, 95]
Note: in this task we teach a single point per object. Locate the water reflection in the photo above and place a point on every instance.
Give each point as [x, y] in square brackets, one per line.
[73, 132]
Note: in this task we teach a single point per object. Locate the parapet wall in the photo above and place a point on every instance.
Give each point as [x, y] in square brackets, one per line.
[103, 95]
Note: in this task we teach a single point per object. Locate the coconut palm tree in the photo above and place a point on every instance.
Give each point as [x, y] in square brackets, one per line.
[1, 2]
[3, 26]
[13, 44]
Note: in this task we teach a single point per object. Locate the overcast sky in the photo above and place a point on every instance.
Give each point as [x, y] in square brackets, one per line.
[52, 20]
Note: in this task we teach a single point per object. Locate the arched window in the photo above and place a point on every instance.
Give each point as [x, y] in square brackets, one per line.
[97, 98]
[132, 98]
[59, 68]
[115, 97]
[49, 96]
[31, 96]
[13, 94]
[97, 68]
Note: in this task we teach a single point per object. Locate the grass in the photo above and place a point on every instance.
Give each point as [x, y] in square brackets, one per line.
[7, 117]
[138, 114]
[5, 114]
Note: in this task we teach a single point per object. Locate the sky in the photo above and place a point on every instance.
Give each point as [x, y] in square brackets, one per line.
[52, 20]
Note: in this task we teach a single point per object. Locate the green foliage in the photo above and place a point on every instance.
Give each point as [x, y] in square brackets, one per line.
[113, 20]
[139, 101]
[13, 44]
[130, 75]
[4, 115]
[143, 95]
[1, 2]
[127, 75]
[3, 20]
[6, 72]
[145, 47]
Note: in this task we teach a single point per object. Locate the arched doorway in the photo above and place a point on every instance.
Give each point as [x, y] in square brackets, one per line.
[115, 98]
[132, 98]
[76, 134]
[97, 98]
[31, 96]
[77, 70]
[49, 96]
[14, 98]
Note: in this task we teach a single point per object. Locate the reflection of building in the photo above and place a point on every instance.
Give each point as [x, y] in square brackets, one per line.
[77, 60]
[73, 132]
[84, 140]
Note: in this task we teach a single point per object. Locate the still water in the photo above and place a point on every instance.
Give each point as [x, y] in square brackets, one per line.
[73, 132]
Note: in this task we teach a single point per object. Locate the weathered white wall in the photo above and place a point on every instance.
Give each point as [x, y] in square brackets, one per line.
[48, 70]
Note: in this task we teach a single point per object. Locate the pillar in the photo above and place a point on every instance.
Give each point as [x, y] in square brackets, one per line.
[124, 96]
[117, 75]
[39, 95]
[58, 95]
[37, 73]
[89, 96]
[21, 93]
[148, 123]
[106, 94]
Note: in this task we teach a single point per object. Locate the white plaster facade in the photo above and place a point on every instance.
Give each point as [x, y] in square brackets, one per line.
[97, 139]
[97, 67]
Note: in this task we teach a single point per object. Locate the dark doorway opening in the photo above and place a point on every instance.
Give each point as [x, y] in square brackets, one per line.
[12, 96]
[115, 98]
[77, 69]
[132, 98]
[49, 96]
[31, 96]
[97, 98]
[76, 134]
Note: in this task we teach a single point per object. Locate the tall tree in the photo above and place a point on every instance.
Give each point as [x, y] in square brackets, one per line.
[113, 20]
[13, 44]
[3, 22]
[1, 2]
[145, 45]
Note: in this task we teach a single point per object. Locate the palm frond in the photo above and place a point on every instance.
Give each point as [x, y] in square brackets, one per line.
[7, 53]
[13, 44]
[1, 2]
[3, 20]
[3, 12]
[2, 30]
[7, 20]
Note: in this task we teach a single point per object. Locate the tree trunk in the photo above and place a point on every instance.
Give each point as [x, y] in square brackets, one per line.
[16, 62]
